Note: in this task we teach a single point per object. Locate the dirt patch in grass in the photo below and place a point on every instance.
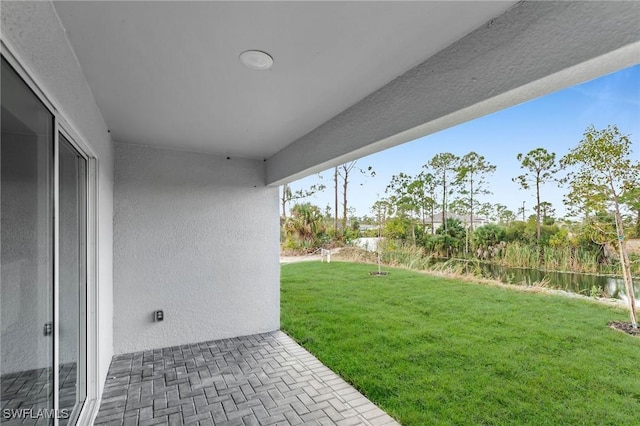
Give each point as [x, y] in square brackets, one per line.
[356, 254]
[294, 257]
[625, 327]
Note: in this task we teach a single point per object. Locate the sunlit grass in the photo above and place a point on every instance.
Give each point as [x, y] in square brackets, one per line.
[430, 350]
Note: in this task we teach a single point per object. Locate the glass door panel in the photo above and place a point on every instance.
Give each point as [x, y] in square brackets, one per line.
[26, 252]
[72, 294]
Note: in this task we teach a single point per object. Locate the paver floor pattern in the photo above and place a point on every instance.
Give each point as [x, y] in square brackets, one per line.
[264, 379]
[32, 390]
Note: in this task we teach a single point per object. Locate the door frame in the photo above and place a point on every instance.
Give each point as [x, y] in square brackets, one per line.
[63, 126]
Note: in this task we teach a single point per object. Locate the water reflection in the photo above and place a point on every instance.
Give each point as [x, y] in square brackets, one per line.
[568, 281]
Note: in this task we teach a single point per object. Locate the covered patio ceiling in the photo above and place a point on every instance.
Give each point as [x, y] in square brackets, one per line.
[348, 79]
[168, 73]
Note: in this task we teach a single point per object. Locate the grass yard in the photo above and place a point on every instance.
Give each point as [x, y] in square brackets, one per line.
[431, 350]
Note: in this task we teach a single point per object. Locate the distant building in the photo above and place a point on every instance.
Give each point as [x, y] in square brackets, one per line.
[465, 219]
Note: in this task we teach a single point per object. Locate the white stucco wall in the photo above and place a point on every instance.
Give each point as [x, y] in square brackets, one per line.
[196, 236]
[37, 38]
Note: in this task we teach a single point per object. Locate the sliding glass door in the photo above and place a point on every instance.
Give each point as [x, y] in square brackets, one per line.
[26, 253]
[72, 293]
[43, 263]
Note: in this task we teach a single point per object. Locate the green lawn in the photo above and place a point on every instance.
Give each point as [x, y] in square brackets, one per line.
[430, 350]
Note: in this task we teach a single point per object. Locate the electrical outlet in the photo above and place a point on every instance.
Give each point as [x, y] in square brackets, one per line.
[158, 315]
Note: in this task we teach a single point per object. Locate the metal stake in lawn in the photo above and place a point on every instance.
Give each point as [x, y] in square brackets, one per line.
[379, 248]
[378, 245]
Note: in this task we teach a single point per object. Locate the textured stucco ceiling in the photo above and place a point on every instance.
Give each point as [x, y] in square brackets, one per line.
[533, 49]
[168, 74]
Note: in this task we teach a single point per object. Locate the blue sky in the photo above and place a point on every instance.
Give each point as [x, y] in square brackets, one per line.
[555, 122]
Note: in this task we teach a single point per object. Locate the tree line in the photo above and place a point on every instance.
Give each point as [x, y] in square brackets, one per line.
[438, 209]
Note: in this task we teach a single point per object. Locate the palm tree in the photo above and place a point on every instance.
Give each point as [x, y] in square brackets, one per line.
[305, 224]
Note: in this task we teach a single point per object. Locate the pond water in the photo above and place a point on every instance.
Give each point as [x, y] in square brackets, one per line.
[607, 285]
[610, 286]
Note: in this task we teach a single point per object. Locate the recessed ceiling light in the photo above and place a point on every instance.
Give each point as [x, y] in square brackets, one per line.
[256, 59]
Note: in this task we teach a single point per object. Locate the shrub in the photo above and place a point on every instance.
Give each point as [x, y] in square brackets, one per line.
[487, 237]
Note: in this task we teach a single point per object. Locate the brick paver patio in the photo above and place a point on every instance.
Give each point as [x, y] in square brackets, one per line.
[264, 379]
[32, 390]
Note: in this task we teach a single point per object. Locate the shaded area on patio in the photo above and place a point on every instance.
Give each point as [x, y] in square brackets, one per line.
[261, 379]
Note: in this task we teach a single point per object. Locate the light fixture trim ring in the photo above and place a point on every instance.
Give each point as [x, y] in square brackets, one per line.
[256, 59]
